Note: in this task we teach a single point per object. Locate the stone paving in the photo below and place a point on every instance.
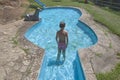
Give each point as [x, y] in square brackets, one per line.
[21, 60]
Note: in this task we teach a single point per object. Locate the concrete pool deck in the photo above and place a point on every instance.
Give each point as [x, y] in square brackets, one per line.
[21, 60]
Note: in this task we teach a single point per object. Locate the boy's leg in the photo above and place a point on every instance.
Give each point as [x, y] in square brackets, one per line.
[58, 55]
[64, 54]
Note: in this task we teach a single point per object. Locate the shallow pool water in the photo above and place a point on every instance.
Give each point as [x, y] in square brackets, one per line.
[43, 34]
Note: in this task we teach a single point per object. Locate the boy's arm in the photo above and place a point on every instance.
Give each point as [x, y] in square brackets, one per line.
[67, 38]
[57, 37]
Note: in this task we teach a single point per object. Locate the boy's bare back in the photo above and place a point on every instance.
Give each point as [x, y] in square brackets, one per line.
[62, 35]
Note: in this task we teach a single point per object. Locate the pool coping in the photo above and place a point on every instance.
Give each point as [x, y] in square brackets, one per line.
[87, 71]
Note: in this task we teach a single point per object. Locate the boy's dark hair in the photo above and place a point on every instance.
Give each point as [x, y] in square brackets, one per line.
[62, 24]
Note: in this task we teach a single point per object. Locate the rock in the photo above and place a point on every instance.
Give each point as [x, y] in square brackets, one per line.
[34, 17]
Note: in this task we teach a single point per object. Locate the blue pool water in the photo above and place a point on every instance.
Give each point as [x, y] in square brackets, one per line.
[43, 34]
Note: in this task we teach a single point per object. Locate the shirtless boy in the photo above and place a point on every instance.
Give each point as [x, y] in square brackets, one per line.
[62, 40]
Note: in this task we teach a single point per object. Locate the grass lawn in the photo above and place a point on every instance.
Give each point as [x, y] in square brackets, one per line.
[107, 17]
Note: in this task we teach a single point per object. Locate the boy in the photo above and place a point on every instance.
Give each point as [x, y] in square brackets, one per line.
[62, 40]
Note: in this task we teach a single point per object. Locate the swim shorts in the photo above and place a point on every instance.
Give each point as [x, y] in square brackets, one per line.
[62, 45]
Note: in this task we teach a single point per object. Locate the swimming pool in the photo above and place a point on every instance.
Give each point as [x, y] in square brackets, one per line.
[43, 34]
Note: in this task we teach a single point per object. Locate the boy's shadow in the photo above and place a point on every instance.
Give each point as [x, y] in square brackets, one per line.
[55, 63]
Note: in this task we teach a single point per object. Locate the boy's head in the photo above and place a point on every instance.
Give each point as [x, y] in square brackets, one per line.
[62, 24]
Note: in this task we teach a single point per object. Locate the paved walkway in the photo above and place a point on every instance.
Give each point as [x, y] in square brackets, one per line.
[20, 59]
